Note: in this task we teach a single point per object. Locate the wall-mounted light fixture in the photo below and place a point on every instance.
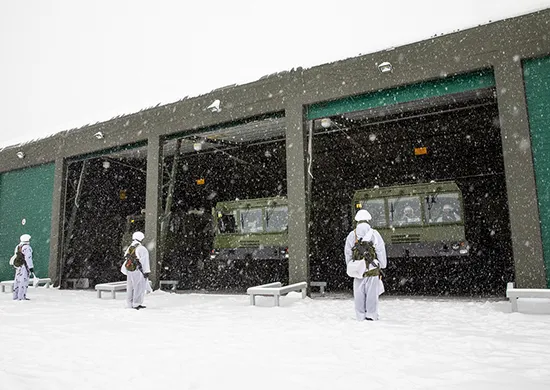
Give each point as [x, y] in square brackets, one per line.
[98, 135]
[326, 123]
[20, 155]
[385, 67]
[197, 146]
[215, 106]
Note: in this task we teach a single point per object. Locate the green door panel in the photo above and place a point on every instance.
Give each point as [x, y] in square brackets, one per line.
[26, 207]
[428, 89]
[536, 73]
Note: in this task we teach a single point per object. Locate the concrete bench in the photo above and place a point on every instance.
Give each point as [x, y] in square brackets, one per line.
[8, 284]
[113, 287]
[77, 283]
[275, 290]
[514, 293]
[172, 283]
[41, 281]
[321, 285]
[32, 282]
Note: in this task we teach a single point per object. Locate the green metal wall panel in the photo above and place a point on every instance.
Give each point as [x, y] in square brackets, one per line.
[536, 73]
[26, 194]
[434, 88]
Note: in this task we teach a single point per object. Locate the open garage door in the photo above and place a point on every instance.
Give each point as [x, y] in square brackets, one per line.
[102, 190]
[224, 205]
[445, 130]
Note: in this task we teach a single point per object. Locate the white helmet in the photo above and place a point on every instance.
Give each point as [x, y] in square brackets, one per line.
[363, 216]
[138, 236]
[25, 238]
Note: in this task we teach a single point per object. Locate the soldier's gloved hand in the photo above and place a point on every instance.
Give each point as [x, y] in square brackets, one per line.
[146, 275]
[32, 270]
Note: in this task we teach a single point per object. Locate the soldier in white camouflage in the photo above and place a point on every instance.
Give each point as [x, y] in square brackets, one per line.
[137, 274]
[367, 289]
[23, 269]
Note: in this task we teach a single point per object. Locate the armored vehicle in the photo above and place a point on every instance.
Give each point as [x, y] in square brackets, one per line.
[253, 229]
[417, 220]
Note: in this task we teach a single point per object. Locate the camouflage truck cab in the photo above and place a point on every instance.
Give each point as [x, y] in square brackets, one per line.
[254, 229]
[417, 220]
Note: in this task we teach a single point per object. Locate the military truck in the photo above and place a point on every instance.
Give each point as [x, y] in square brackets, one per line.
[253, 229]
[417, 220]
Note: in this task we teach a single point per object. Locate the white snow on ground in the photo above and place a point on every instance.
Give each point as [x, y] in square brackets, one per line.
[67, 339]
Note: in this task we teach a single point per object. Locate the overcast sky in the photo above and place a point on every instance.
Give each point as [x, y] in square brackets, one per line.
[68, 63]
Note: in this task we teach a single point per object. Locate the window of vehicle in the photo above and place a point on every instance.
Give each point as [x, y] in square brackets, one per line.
[226, 222]
[251, 220]
[276, 219]
[377, 210]
[443, 208]
[405, 211]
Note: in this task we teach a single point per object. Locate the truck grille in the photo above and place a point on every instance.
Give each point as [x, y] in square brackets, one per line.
[405, 238]
[249, 243]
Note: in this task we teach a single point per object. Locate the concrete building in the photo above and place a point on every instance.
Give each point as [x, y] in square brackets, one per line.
[478, 100]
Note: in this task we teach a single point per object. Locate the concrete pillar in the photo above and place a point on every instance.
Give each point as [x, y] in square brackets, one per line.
[298, 230]
[56, 232]
[153, 203]
[520, 178]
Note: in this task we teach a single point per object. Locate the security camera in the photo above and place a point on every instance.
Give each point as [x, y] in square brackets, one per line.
[98, 135]
[215, 106]
[385, 67]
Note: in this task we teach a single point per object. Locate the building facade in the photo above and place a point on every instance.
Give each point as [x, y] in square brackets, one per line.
[502, 68]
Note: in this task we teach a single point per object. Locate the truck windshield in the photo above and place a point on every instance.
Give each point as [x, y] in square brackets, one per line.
[226, 222]
[377, 210]
[443, 208]
[405, 211]
[276, 219]
[251, 220]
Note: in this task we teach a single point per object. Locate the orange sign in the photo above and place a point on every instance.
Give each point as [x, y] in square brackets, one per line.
[420, 151]
[200, 182]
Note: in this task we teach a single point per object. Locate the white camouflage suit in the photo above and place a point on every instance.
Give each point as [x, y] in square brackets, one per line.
[366, 290]
[22, 273]
[136, 283]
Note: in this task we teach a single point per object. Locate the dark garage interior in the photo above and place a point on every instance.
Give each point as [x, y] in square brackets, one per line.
[247, 160]
[243, 160]
[101, 192]
[376, 147]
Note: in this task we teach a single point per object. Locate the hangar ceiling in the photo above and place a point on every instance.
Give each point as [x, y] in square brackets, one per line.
[273, 128]
[253, 132]
[408, 109]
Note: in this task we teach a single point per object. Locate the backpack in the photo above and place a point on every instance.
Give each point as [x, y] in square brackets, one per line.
[131, 261]
[363, 250]
[19, 258]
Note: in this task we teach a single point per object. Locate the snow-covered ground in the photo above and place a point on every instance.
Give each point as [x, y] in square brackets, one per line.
[66, 339]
